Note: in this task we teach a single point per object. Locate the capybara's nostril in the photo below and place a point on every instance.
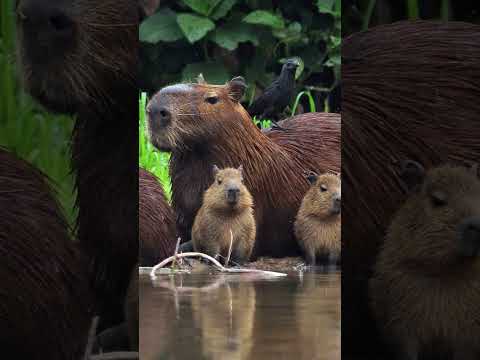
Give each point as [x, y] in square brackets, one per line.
[470, 237]
[232, 195]
[164, 116]
[60, 22]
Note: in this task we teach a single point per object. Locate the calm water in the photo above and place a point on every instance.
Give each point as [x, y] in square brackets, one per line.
[240, 317]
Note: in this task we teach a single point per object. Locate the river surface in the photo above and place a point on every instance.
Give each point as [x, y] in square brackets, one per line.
[240, 316]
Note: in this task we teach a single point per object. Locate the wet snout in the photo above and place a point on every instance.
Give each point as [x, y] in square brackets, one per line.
[336, 203]
[233, 194]
[159, 116]
[469, 231]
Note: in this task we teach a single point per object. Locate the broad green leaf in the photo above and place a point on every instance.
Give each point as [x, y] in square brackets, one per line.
[290, 34]
[202, 7]
[262, 17]
[231, 34]
[222, 9]
[325, 6]
[194, 27]
[161, 26]
[213, 72]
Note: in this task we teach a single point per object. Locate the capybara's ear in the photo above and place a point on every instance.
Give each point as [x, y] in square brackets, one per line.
[311, 177]
[215, 170]
[201, 79]
[412, 174]
[236, 88]
[147, 7]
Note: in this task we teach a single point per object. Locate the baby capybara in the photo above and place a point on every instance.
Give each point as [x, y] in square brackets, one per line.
[318, 223]
[80, 57]
[425, 292]
[227, 211]
[46, 303]
[204, 124]
[156, 221]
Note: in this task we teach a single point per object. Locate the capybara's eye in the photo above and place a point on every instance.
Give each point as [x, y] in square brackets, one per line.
[439, 198]
[212, 99]
[323, 188]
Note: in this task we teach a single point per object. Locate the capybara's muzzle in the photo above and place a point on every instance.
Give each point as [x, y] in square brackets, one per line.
[232, 195]
[336, 204]
[469, 230]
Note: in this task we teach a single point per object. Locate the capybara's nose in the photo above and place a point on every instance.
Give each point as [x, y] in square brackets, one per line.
[337, 204]
[160, 116]
[46, 18]
[470, 237]
[232, 194]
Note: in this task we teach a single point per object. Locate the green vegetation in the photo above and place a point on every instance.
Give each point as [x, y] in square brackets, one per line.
[27, 130]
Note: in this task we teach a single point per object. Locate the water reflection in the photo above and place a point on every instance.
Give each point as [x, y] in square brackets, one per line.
[240, 317]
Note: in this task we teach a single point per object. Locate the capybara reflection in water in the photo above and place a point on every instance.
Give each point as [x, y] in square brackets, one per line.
[46, 303]
[426, 285]
[156, 221]
[318, 223]
[205, 124]
[227, 212]
[85, 64]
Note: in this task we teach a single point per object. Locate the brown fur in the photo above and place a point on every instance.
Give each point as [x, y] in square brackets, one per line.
[93, 76]
[216, 218]
[156, 221]
[46, 303]
[423, 291]
[317, 229]
[131, 310]
[409, 91]
[201, 134]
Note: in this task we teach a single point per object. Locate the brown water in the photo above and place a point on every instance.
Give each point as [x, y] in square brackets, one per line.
[235, 317]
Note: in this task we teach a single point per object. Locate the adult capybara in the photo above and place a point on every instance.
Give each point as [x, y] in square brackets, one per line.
[426, 285]
[156, 221]
[80, 57]
[410, 90]
[205, 124]
[318, 223]
[131, 310]
[46, 304]
[226, 218]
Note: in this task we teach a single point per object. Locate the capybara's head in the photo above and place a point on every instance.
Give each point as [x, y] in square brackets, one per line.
[184, 115]
[75, 52]
[228, 193]
[324, 199]
[440, 222]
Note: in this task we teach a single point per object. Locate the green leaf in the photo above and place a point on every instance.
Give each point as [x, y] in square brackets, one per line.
[262, 17]
[203, 7]
[194, 27]
[221, 10]
[325, 6]
[292, 33]
[231, 34]
[213, 72]
[161, 26]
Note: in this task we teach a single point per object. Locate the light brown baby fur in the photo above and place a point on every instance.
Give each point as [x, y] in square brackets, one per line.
[423, 293]
[318, 226]
[216, 218]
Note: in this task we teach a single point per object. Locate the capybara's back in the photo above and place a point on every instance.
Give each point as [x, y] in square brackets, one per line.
[426, 285]
[318, 222]
[156, 221]
[46, 302]
[226, 217]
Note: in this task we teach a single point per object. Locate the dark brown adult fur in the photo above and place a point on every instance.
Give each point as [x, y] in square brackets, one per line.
[201, 133]
[318, 222]
[425, 289]
[46, 307]
[93, 76]
[131, 310]
[411, 90]
[225, 220]
[156, 221]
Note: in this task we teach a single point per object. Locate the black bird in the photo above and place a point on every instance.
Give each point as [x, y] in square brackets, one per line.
[276, 96]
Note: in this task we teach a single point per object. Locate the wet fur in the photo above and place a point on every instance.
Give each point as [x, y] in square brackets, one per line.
[224, 134]
[216, 218]
[422, 291]
[316, 229]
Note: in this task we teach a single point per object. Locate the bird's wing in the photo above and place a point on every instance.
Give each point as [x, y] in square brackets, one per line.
[265, 100]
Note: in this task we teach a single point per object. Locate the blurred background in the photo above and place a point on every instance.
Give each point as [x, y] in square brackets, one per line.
[25, 128]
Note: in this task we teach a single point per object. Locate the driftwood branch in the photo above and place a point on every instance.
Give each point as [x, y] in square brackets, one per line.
[91, 338]
[229, 248]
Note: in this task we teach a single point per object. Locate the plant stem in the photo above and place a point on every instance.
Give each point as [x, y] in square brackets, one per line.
[368, 14]
[412, 9]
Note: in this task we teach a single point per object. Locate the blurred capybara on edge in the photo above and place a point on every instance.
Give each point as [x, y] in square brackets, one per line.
[410, 90]
[131, 310]
[46, 304]
[318, 223]
[80, 57]
[426, 284]
[156, 221]
[205, 124]
[226, 218]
